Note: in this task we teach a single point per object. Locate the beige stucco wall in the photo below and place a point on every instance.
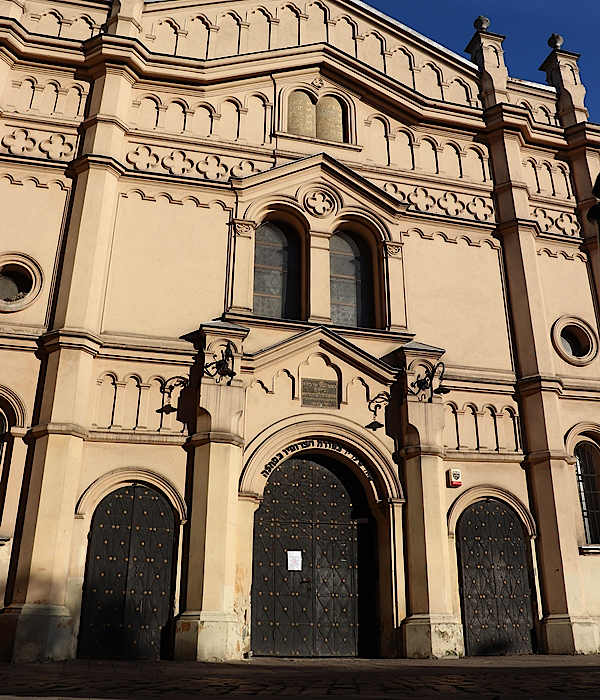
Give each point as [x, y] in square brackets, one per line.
[469, 190]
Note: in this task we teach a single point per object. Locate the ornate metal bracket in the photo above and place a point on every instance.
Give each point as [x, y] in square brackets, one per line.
[423, 384]
[222, 368]
[375, 405]
[167, 391]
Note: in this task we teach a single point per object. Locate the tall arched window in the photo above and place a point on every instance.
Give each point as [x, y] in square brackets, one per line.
[588, 482]
[276, 272]
[351, 281]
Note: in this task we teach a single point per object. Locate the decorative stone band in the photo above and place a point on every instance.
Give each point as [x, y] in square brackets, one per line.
[453, 204]
[557, 223]
[39, 144]
[190, 163]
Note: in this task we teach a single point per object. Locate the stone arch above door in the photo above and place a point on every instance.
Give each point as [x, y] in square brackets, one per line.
[112, 480]
[477, 493]
[349, 443]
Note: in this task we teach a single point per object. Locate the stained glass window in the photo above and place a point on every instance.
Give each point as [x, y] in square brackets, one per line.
[351, 285]
[276, 272]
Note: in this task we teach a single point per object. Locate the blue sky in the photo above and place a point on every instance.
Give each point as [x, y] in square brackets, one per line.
[527, 25]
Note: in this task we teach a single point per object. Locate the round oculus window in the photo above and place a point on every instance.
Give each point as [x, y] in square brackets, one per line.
[15, 282]
[20, 281]
[574, 340]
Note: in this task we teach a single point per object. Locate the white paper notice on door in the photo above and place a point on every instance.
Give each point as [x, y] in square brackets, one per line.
[294, 560]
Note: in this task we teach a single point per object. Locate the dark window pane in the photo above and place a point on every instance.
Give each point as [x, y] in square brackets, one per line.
[268, 281]
[344, 291]
[268, 307]
[345, 265]
[273, 256]
[276, 272]
[588, 478]
[344, 315]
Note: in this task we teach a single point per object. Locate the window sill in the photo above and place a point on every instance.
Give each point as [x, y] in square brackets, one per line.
[589, 549]
[302, 326]
[311, 139]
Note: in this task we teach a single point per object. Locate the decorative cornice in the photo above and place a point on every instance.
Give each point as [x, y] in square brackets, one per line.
[543, 456]
[72, 339]
[205, 438]
[44, 429]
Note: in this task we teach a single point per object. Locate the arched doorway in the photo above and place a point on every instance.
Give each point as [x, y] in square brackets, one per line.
[495, 580]
[314, 585]
[127, 592]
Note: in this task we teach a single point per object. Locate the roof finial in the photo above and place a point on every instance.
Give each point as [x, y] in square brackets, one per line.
[482, 23]
[556, 41]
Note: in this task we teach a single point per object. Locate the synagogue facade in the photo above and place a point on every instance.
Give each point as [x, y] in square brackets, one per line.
[298, 337]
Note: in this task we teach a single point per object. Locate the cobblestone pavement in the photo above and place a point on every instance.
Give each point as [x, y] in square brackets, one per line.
[499, 678]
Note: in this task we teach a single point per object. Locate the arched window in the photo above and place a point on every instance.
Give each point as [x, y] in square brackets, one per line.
[587, 455]
[276, 272]
[351, 285]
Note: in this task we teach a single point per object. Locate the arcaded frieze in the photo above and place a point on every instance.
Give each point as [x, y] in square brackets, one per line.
[219, 30]
[68, 20]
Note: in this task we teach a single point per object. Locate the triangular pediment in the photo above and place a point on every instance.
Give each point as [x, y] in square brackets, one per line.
[321, 186]
[326, 342]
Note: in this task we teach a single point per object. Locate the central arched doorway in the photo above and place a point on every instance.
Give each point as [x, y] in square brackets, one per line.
[128, 587]
[495, 580]
[314, 585]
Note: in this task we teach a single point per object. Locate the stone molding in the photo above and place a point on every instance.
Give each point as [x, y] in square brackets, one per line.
[476, 493]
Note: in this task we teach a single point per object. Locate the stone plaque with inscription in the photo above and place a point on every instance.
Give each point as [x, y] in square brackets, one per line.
[320, 393]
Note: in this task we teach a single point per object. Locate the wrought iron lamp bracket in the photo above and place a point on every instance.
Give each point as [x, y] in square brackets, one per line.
[221, 368]
[423, 384]
[375, 405]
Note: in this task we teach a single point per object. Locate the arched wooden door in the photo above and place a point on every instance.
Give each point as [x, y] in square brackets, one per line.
[495, 580]
[127, 591]
[312, 541]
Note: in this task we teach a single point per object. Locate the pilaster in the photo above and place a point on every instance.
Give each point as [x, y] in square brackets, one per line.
[320, 273]
[431, 628]
[551, 482]
[210, 628]
[37, 623]
[242, 282]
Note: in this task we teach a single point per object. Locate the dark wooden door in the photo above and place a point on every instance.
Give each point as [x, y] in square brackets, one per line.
[127, 592]
[304, 591]
[496, 593]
